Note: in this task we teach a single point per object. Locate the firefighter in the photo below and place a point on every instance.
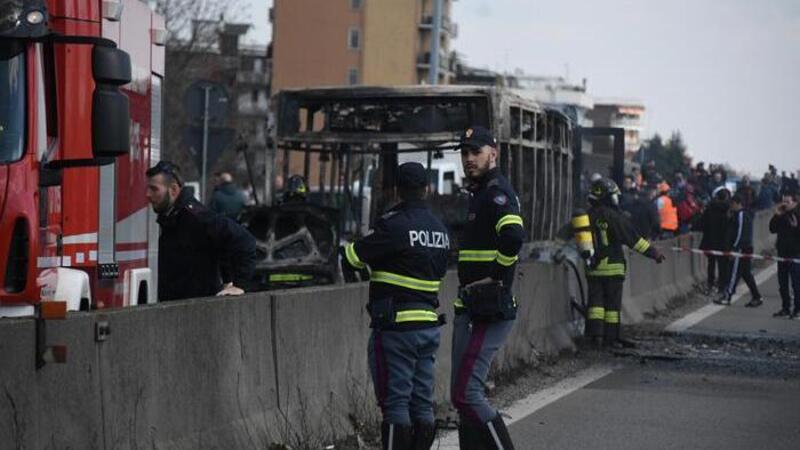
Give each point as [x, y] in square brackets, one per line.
[200, 253]
[407, 255]
[296, 190]
[606, 268]
[485, 308]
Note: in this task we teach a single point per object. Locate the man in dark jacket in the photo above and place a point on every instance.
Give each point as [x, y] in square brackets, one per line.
[714, 226]
[644, 215]
[742, 228]
[227, 199]
[785, 224]
[768, 194]
[199, 253]
[746, 191]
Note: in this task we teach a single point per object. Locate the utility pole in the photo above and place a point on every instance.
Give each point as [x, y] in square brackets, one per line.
[436, 33]
[206, 91]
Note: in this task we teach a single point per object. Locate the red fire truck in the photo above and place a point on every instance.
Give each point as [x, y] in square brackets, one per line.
[80, 112]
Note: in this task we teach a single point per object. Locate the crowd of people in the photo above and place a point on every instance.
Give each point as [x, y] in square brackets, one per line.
[662, 207]
[721, 207]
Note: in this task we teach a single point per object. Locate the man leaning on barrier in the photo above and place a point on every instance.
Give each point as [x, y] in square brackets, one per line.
[406, 252]
[200, 253]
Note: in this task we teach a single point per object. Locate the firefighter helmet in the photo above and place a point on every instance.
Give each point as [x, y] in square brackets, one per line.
[604, 191]
[296, 187]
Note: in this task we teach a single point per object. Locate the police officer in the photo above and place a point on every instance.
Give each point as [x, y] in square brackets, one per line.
[606, 269]
[200, 253]
[485, 310]
[407, 255]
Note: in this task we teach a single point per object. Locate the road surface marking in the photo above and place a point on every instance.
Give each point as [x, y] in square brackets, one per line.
[703, 313]
[536, 401]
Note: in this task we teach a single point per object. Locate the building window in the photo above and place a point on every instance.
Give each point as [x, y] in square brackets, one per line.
[254, 97]
[353, 39]
[355, 4]
[352, 77]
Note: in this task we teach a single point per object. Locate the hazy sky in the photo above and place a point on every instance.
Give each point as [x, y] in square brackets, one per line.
[726, 73]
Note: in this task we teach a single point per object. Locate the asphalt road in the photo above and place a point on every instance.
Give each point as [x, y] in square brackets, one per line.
[745, 398]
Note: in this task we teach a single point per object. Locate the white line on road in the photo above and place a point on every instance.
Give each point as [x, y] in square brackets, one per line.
[536, 401]
[701, 314]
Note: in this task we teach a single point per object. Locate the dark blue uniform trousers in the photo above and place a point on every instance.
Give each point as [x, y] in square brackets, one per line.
[474, 347]
[402, 368]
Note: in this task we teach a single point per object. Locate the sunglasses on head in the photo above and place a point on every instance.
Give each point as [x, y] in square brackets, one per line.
[167, 168]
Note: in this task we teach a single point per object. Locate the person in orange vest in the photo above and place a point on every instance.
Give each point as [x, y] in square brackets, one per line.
[667, 212]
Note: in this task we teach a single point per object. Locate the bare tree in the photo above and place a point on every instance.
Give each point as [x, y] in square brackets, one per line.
[192, 26]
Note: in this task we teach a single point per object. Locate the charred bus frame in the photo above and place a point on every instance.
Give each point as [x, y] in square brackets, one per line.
[338, 137]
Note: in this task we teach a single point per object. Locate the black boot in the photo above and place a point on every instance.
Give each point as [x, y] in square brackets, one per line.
[499, 433]
[471, 436]
[397, 437]
[489, 436]
[424, 435]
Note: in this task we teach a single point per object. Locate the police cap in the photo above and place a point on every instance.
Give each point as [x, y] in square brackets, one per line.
[476, 137]
[412, 175]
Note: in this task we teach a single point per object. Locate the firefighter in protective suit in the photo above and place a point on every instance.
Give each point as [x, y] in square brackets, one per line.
[406, 252]
[606, 268]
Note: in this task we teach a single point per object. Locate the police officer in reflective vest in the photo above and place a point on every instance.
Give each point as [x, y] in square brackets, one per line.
[606, 269]
[485, 308]
[407, 255]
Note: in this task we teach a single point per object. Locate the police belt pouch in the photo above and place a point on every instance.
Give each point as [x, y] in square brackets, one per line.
[489, 302]
[382, 312]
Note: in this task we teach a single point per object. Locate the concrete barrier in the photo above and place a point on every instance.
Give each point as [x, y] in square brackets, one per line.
[650, 287]
[763, 240]
[180, 375]
[282, 366]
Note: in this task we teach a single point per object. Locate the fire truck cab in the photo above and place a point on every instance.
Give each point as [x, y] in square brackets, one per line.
[80, 112]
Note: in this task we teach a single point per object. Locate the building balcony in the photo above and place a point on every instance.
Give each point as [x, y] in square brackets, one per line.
[257, 78]
[424, 61]
[253, 109]
[628, 124]
[448, 26]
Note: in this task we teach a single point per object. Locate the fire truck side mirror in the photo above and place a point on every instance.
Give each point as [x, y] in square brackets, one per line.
[111, 68]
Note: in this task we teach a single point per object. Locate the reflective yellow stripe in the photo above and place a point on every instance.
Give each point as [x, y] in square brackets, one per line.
[606, 269]
[458, 303]
[581, 221]
[508, 219]
[583, 237]
[641, 245]
[504, 260]
[289, 277]
[596, 313]
[352, 258]
[477, 255]
[486, 256]
[417, 315]
[612, 317]
[404, 281]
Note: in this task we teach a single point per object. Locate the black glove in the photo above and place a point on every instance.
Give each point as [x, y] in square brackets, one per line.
[654, 254]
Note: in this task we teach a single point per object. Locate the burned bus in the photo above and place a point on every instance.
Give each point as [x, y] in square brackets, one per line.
[347, 143]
